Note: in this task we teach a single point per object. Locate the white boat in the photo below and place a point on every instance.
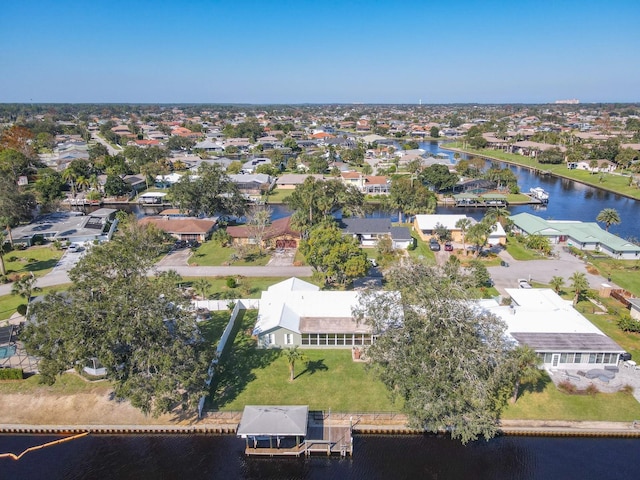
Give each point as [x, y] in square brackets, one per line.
[540, 194]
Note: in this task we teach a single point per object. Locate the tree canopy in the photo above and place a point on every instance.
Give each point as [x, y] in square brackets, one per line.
[135, 325]
[316, 200]
[338, 258]
[208, 193]
[447, 360]
[439, 177]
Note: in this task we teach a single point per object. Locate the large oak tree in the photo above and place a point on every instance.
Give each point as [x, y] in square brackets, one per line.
[446, 359]
[135, 325]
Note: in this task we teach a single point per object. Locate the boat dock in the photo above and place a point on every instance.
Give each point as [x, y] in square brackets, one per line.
[276, 431]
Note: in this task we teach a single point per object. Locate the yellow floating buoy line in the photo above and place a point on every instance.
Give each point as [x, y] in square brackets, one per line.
[44, 445]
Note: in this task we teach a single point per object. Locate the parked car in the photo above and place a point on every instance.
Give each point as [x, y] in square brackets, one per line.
[448, 247]
[74, 248]
[522, 283]
[434, 245]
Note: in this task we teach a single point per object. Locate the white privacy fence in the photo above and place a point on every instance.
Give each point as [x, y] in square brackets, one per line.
[240, 304]
[217, 305]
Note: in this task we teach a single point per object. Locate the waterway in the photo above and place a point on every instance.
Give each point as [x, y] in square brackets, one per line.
[375, 457]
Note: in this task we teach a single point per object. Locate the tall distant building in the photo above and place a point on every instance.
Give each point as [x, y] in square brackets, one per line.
[571, 101]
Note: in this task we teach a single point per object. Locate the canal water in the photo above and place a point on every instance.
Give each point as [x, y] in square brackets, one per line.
[375, 457]
[568, 200]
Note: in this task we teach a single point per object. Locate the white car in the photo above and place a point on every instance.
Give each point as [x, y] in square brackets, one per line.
[522, 283]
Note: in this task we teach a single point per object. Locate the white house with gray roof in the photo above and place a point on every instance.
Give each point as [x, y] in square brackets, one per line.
[295, 312]
[562, 337]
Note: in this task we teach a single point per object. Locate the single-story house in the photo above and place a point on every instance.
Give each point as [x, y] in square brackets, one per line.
[289, 181]
[74, 227]
[295, 312]
[366, 230]
[252, 184]
[183, 228]
[425, 225]
[587, 236]
[278, 234]
[560, 335]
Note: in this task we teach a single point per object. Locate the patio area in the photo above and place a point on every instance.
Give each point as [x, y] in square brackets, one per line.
[605, 380]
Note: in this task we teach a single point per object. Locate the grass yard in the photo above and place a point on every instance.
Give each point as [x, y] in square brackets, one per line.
[329, 379]
[278, 195]
[625, 273]
[422, 249]
[66, 384]
[248, 287]
[548, 403]
[520, 252]
[9, 303]
[39, 259]
[210, 254]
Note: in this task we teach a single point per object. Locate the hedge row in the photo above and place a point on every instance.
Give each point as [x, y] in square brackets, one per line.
[11, 374]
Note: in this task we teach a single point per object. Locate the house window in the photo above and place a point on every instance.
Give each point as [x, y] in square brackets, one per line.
[288, 338]
[270, 339]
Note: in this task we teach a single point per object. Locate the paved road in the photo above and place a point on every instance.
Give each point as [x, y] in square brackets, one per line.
[267, 271]
[112, 151]
[541, 270]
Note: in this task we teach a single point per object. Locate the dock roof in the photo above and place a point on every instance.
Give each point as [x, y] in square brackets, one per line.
[274, 420]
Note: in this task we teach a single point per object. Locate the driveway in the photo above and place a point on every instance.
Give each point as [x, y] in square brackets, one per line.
[541, 271]
[282, 258]
[175, 258]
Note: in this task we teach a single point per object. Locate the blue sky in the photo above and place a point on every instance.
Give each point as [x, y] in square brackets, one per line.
[315, 52]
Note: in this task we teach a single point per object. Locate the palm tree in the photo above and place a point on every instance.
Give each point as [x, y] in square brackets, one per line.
[526, 365]
[202, 286]
[557, 283]
[82, 183]
[608, 216]
[70, 176]
[579, 284]
[24, 287]
[463, 224]
[292, 355]
[6, 223]
[497, 214]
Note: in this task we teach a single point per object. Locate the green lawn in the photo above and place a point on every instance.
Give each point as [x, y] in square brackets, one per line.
[66, 384]
[210, 254]
[330, 379]
[9, 303]
[422, 249]
[39, 259]
[520, 252]
[625, 273]
[248, 287]
[548, 403]
[278, 195]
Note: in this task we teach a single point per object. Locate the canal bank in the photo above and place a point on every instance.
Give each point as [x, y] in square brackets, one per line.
[539, 171]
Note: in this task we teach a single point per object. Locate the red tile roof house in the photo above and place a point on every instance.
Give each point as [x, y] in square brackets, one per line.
[185, 228]
[277, 235]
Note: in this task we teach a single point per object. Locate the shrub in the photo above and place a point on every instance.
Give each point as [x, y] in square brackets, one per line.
[628, 324]
[627, 389]
[38, 239]
[231, 282]
[567, 387]
[11, 374]
[22, 309]
[591, 390]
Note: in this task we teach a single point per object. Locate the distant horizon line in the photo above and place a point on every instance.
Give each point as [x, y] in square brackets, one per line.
[422, 104]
